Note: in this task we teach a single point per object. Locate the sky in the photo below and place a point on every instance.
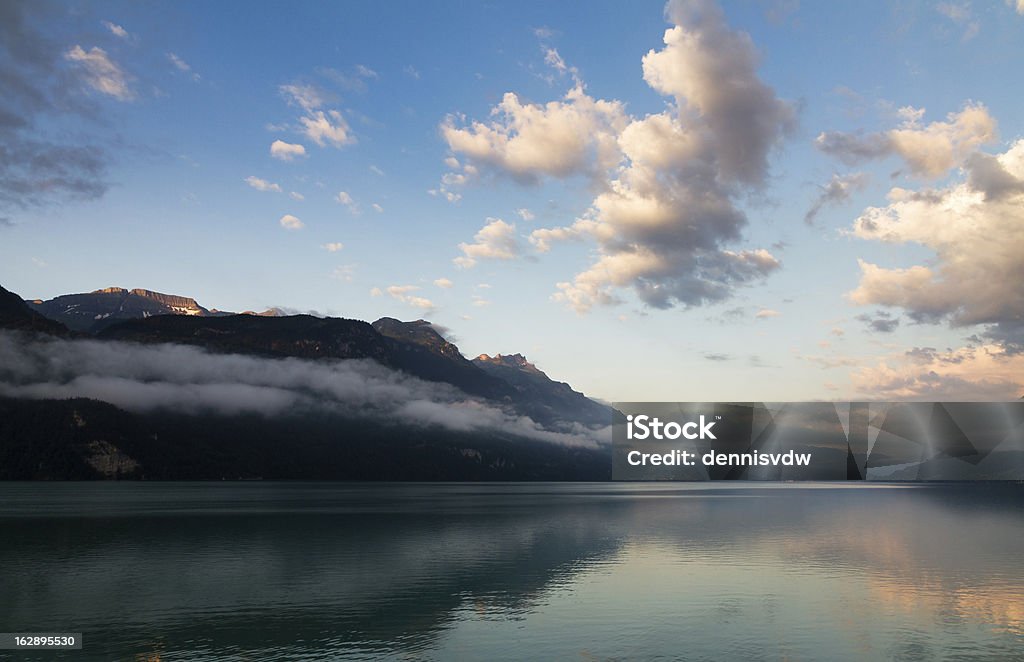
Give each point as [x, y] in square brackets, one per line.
[749, 201]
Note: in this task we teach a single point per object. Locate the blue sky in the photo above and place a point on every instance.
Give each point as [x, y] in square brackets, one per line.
[772, 201]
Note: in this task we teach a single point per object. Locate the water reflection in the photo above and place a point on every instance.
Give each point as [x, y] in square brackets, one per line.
[322, 571]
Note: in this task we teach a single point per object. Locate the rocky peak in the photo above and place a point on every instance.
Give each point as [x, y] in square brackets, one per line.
[425, 335]
[420, 332]
[170, 300]
[517, 361]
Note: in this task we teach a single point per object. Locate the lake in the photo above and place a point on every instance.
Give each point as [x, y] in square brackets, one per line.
[343, 571]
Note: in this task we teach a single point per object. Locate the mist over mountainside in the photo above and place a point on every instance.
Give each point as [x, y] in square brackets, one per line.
[304, 336]
[414, 347]
[196, 394]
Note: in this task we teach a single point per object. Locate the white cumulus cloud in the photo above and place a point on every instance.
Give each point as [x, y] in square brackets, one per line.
[979, 373]
[495, 241]
[666, 213]
[289, 222]
[664, 219]
[975, 228]
[279, 149]
[526, 141]
[930, 151]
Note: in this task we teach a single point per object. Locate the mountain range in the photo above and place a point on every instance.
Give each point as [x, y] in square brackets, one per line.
[43, 437]
[94, 311]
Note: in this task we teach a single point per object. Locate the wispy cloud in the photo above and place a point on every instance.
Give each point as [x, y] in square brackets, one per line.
[407, 295]
[352, 79]
[344, 198]
[837, 191]
[961, 15]
[365, 72]
[305, 96]
[116, 30]
[40, 167]
[100, 72]
[182, 66]
[880, 322]
[344, 272]
[328, 128]
[324, 126]
[262, 184]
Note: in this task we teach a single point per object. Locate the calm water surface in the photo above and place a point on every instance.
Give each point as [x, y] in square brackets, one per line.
[328, 571]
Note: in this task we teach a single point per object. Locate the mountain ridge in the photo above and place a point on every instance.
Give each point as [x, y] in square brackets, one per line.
[91, 312]
[416, 347]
